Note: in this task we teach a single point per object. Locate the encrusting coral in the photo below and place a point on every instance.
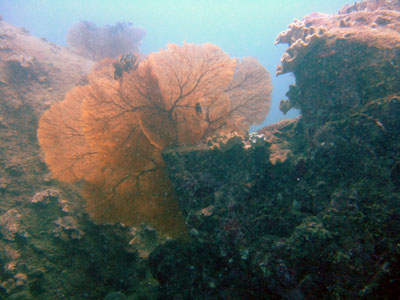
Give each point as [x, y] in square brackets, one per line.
[300, 38]
[111, 132]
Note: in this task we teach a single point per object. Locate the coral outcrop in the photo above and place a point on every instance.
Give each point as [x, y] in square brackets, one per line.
[310, 205]
[300, 39]
[354, 55]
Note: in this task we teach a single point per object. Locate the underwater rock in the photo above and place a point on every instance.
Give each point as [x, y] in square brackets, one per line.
[224, 143]
[45, 197]
[68, 228]
[313, 202]
[41, 72]
[200, 271]
[115, 296]
[21, 296]
[9, 224]
[341, 61]
[300, 39]
[395, 174]
[278, 136]
[306, 221]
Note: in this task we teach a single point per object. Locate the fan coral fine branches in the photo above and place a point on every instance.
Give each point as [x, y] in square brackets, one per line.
[97, 43]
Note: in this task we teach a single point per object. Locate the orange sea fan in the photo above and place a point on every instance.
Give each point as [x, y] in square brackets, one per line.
[110, 133]
[62, 139]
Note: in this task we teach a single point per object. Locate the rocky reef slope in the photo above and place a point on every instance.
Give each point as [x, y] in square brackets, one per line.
[49, 248]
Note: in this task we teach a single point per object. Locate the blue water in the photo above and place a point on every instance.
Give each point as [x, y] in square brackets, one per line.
[239, 27]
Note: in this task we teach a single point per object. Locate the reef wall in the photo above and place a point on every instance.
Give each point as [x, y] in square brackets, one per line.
[311, 206]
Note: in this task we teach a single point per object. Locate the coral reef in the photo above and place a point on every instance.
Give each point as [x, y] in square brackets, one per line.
[303, 209]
